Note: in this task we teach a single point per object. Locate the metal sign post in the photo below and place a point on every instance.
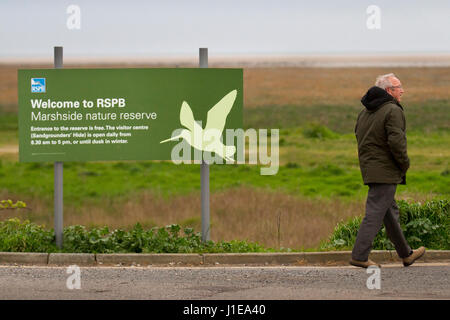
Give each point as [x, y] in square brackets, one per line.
[204, 167]
[58, 172]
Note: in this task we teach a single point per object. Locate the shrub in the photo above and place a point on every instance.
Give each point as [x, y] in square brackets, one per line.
[16, 236]
[9, 204]
[423, 225]
[25, 236]
[315, 130]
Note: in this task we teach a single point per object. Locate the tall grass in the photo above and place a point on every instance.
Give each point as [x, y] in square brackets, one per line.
[337, 86]
[426, 117]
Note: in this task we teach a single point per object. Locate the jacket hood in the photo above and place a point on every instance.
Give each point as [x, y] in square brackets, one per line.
[375, 97]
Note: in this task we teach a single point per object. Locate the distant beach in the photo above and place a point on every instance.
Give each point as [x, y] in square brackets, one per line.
[256, 61]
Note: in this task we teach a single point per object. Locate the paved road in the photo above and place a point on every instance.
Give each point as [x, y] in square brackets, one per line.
[422, 281]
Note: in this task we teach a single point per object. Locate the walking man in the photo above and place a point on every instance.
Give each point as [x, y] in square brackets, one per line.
[383, 159]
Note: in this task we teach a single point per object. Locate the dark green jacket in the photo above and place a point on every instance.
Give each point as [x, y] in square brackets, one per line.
[381, 134]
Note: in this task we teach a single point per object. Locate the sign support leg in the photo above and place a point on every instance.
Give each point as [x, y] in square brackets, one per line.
[204, 168]
[58, 173]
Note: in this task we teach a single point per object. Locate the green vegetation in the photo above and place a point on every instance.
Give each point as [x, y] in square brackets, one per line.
[324, 164]
[316, 130]
[318, 178]
[8, 120]
[423, 225]
[318, 159]
[427, 225]
[8, 127]
[17, 236]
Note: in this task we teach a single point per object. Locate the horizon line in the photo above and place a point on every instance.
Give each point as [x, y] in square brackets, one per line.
[388, 59]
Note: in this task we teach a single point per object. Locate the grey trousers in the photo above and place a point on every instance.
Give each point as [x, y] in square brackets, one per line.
[380, 208]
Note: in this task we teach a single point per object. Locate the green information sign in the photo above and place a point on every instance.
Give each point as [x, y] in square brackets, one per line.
[124, 114]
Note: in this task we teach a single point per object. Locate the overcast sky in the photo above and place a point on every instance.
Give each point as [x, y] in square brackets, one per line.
[145, 28]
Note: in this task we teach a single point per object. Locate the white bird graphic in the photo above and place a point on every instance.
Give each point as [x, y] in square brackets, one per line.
[196, 136]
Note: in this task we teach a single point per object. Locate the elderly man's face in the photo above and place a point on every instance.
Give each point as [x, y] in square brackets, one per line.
[396, 89]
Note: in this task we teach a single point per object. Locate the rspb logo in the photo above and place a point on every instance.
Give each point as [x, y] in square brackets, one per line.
[38, 85]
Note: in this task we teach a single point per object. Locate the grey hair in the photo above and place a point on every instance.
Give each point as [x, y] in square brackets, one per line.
[384, 81]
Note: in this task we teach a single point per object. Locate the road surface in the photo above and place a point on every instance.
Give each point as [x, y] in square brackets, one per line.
[420, 281]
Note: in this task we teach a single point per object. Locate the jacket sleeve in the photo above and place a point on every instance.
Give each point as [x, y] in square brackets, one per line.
[396, 137]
